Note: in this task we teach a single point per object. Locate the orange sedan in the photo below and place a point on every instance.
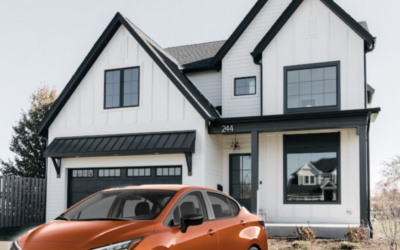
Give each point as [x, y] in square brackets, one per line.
[151, 218]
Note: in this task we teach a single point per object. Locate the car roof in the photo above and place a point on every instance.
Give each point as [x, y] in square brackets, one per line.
[161, 187]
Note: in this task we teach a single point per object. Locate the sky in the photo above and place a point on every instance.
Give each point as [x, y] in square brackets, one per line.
[44, 42]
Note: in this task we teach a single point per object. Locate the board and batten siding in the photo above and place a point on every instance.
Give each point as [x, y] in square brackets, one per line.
[272, 193]
[314, 34]
[209, 84]
[239, 63]
[162, 108]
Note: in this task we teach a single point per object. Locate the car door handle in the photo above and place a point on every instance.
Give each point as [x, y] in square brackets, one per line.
[243, 223]
[211, 232]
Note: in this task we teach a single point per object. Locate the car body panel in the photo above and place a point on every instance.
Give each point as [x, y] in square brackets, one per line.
[239, 232]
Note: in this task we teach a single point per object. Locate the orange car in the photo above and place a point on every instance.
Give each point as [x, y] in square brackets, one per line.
[151, 218]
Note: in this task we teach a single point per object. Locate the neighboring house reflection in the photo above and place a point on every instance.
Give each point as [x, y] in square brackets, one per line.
[314, 181]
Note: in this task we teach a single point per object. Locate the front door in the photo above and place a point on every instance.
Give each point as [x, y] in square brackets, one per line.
[240, 179]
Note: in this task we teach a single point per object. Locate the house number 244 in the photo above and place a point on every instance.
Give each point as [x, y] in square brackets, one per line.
[227, 128]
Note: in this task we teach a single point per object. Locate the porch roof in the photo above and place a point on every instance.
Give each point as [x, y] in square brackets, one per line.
[124, 144]
[294, 122]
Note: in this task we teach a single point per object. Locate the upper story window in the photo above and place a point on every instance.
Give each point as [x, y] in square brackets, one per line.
[312, 87]
[121, 88]
[245, 86]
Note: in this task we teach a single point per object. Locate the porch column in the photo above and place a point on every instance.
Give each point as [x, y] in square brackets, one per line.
[362, 134]
[254, 170]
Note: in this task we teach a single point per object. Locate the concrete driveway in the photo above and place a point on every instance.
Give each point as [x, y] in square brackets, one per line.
[5, 245]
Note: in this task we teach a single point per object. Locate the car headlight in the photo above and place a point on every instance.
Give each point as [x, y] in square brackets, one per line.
[126, 245]
[15, 246]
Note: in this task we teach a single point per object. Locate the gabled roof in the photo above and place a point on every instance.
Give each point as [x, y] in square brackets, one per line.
[195, 53]
[215, 62]
[166, 63]
[360, 29]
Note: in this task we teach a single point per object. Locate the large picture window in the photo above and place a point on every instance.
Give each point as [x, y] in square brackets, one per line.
[312, 168]
[121, 88]
[314, 86]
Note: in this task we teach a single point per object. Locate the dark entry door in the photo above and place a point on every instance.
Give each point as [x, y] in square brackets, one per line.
[240, 179]
[85, 182]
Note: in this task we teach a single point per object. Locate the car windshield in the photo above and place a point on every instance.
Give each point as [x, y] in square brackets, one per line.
[121, 205]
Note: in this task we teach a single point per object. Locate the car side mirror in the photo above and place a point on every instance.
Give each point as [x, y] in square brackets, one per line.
[191, 220]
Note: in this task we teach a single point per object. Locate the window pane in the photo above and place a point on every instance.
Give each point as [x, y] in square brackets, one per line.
[130, 172]
[165, 171]
[171, 171]
[141, 172]
[117, 172]
[220, 206]
[106, 172]
[112, 172]
[307, 88]
[74, 173]
[131, 87]
[190, 204]
[159, 171]
[101, 173]
[311, 176]
[148, 172]
[112, 89]
[177, 171]
[136, 172]
[245, 86]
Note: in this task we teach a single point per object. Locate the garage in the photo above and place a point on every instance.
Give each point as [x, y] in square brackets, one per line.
[85, 182]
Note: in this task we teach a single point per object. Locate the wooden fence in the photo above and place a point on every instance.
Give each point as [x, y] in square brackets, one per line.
[22, 201]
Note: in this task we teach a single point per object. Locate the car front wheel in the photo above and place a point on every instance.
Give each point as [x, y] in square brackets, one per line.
[253, 248]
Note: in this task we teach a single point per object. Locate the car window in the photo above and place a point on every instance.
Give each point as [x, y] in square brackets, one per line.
[220, 205]
[234, 206]
[99, 209]
[122, 204]
[192, 203]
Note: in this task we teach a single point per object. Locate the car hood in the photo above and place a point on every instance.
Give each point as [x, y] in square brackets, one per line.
[99, 232]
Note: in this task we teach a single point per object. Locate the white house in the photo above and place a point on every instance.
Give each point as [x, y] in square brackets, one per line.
[278, 116]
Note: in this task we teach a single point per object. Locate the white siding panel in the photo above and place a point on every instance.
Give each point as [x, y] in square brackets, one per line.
[314, 34]
[162, 108]
[239, 63]
[210, 85]
[272, 193]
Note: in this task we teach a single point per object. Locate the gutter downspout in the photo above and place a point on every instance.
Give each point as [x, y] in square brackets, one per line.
[261, 88]
[369, 176]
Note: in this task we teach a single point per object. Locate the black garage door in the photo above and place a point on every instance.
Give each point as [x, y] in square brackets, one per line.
[85, 182]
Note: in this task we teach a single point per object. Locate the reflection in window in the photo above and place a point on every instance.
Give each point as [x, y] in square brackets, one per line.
[312, 176]
[313, 87]
[241, 176]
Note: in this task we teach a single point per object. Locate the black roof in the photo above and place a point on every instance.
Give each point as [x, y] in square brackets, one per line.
[326, 165]
[166, 63]
[360, 28]
[127, 144]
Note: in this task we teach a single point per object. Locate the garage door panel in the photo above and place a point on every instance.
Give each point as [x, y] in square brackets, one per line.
[87, 184]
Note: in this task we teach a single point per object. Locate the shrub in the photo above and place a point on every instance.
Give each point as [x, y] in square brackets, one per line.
[300, 245]
[356, 234]
[349, 245]
[306, 234]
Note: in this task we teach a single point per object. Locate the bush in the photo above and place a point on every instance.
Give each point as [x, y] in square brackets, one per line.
[306, 234]
[349, 245]
[357, 234]
[300, 245]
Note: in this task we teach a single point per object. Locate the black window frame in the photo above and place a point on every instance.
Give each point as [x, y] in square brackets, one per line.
[120, 173]
[241, 78]
[121, 88]
[312, 143]
[139, 176]
[174, 167]
[336, 107]
[82, 177]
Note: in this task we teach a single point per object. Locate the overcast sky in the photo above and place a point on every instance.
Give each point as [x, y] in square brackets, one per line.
[44, 41]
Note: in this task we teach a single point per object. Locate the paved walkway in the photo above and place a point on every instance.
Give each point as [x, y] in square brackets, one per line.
[5, 245]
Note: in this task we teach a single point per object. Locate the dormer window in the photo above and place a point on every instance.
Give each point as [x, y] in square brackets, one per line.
[245, 86]
[313, 87]
[121, 88]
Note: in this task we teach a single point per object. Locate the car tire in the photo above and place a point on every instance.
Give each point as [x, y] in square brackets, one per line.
[253, 248]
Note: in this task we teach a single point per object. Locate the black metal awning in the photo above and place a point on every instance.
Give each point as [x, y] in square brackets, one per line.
[122, 145]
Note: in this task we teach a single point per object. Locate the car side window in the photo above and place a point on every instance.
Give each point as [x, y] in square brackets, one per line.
[220, 205]
[234, 206]
[192, 203]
